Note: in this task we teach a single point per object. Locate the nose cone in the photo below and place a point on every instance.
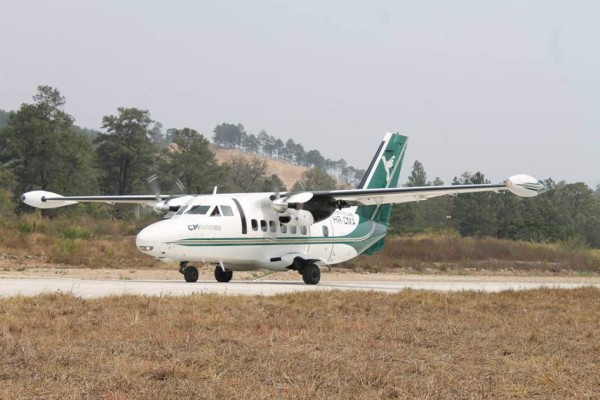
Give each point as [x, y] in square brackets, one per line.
[152, 239]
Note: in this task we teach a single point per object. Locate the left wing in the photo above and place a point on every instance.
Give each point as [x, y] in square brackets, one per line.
[521, 185]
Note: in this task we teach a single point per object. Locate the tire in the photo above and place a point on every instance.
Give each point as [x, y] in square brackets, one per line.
[311, 274]
[191, 274]
[222, 276]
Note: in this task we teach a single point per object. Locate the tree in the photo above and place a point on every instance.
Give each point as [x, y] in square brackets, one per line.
[42, 148]
[268, 145]
[279, 146]
[251, 144]
[474, 214]
[273, 183]
[299, 154]
[3, 117]
[288, 151]
[314, 158]
[314, 179]
[247, 175]
[190, 160]
[229, 135]
[125, 153]
[156, 135]
[417, 177]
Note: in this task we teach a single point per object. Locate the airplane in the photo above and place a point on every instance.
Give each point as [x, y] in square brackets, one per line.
[282, 231]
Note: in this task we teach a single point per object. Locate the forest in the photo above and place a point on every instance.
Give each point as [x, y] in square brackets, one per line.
[42, 148]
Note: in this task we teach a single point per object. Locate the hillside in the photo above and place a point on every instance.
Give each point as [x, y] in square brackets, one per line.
[287, 172]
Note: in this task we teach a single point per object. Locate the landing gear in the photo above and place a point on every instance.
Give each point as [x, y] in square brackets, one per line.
[311, 274]
[190, 273]
[222, 276]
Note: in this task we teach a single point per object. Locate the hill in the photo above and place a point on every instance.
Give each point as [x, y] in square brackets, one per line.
[287, 172]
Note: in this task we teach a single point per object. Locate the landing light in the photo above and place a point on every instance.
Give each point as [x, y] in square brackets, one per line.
[146, 248]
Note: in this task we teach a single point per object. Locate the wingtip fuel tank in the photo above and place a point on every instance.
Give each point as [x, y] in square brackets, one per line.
[38, 199]
[525, 185]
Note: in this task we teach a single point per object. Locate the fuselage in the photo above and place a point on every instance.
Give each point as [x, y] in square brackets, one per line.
[243, 232]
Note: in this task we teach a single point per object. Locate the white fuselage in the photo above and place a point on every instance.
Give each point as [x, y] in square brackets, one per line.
[243, 232]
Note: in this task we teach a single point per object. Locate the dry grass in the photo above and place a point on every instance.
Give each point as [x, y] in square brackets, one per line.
[448, 253]
[538, 344]
[79, 240]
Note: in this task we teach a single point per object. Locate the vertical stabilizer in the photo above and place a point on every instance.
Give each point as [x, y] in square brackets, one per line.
[384, 169]
[383, 172]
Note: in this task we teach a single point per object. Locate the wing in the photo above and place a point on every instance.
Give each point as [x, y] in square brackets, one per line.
[44, 199]
[368, 197]
[521, 185]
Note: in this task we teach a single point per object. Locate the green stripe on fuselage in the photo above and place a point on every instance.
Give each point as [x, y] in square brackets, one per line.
[361, 238]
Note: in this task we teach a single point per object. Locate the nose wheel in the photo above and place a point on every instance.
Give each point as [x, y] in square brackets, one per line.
[190, 273]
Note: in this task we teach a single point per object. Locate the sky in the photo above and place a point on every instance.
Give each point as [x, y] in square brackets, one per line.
[501, 87]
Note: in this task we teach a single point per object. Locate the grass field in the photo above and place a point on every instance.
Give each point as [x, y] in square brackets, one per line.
[538, 344]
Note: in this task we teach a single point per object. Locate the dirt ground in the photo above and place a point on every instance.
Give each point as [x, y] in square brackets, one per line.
[35, 267]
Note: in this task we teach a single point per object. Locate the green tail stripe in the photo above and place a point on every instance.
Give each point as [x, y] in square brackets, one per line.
[385, 172]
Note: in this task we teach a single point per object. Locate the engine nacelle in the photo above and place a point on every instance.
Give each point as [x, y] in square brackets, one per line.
[525, 185]
[303, 208]
[172, 205]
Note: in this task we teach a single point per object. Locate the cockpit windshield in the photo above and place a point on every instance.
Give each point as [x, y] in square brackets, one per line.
[184, 207]
[198, 209]
[203, 209]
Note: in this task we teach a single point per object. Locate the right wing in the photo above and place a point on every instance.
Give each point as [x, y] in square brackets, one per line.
[44, 199]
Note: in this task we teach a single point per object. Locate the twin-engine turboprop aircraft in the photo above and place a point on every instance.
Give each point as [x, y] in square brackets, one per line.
[278, 232]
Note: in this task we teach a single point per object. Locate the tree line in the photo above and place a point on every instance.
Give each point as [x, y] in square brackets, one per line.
[234, 136]
[567, 212]
[41, 148]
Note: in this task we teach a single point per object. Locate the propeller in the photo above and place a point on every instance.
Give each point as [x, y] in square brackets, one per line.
[161, 206]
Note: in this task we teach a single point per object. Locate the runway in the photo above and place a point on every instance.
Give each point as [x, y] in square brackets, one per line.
[102, 288]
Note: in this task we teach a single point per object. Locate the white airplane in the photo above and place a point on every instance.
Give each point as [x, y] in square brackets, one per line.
[282, 231]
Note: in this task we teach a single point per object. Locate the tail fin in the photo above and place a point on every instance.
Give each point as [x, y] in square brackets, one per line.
[383, 172]
[385, 166]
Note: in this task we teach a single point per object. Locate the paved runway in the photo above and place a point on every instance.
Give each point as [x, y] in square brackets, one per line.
[101, 288]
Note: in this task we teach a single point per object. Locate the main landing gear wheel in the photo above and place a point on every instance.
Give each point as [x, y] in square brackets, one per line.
[222, 276]
[311, 274]
[191, 274]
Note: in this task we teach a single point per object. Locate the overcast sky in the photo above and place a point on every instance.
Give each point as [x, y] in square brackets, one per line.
[503, 87]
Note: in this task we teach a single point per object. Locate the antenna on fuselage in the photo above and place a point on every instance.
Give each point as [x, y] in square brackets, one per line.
[215, 190]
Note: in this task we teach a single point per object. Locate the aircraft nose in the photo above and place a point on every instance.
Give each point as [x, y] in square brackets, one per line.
[147, 240]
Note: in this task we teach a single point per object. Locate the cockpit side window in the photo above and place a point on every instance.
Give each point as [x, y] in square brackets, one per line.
[226, 210]
[198, 209]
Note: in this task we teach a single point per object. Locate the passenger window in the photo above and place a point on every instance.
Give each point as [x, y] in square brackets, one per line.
[283, 228]
[215, 212]
[227, 212]
[254, 225]
[263, 225]
[303, 230]
[293, 230]
[198, 210]
[325, 231]
[273, 226]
